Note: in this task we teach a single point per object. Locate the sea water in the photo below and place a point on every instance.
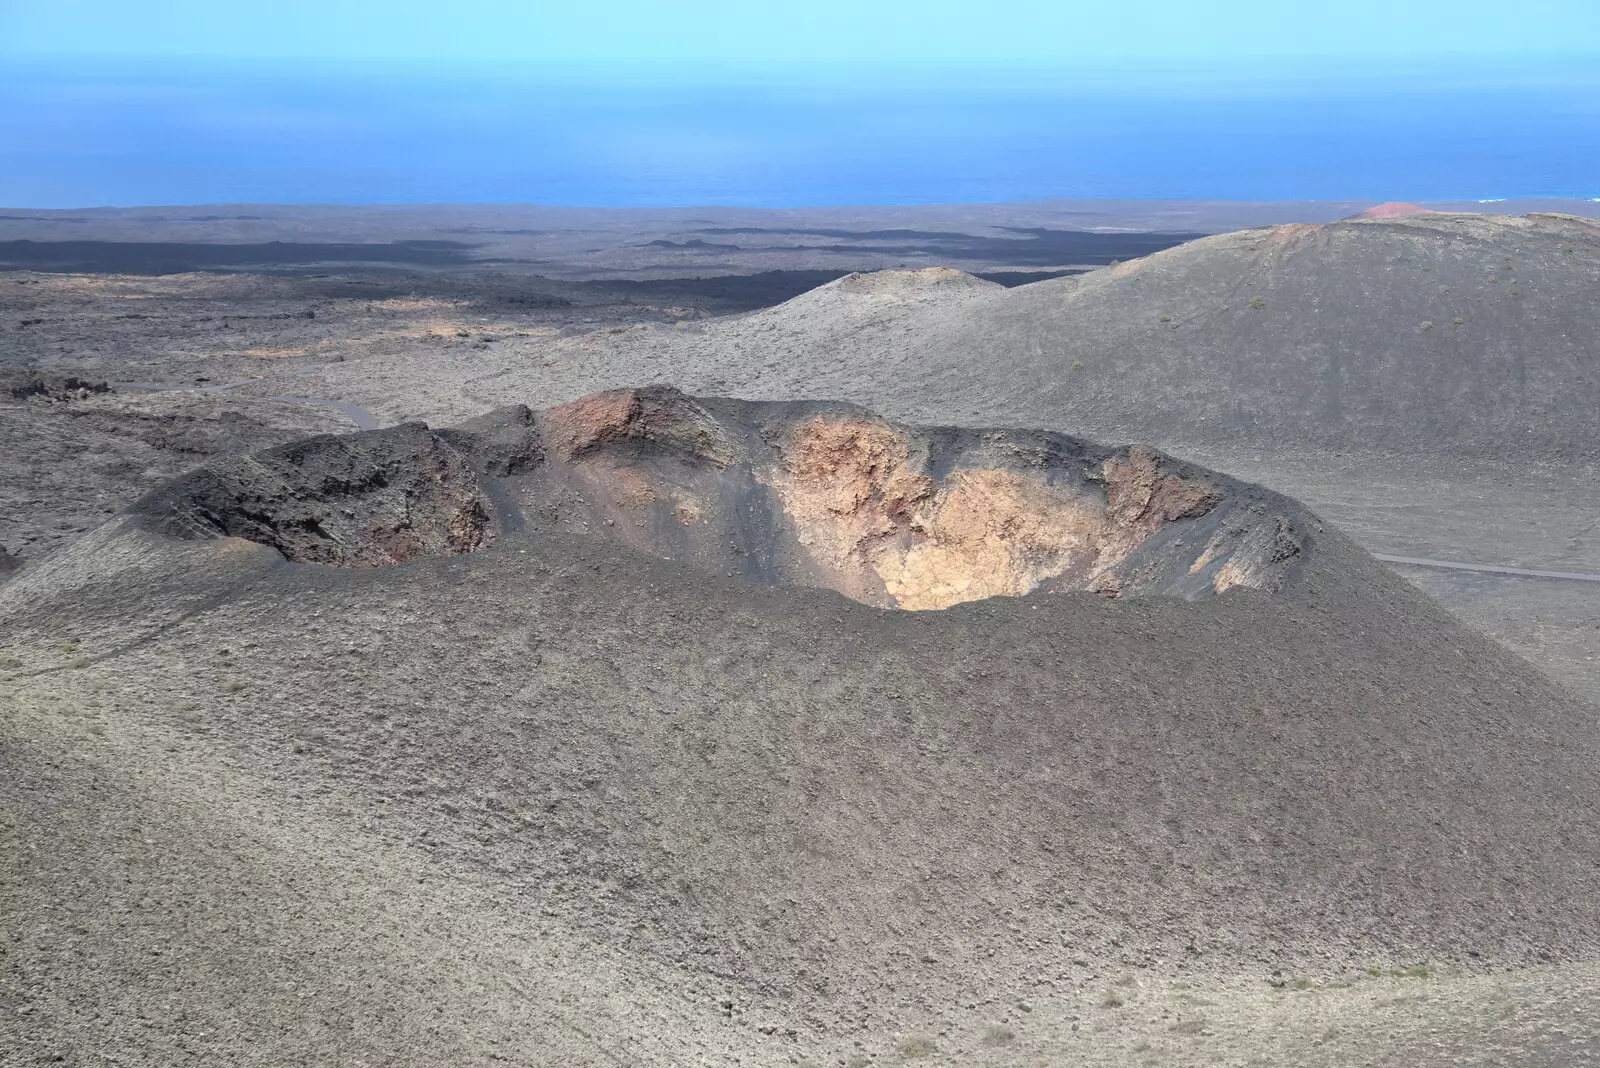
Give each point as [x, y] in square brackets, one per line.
[78, 133]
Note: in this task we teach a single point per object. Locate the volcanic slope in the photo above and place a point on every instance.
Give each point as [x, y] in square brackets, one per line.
[609, 807]
[1468, 333]
[1429, 382]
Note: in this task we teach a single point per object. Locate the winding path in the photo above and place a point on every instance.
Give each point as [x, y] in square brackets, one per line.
[1493, 569]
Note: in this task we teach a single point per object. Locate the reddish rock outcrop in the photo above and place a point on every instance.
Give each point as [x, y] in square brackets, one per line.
[661, 417]
[1394, 209]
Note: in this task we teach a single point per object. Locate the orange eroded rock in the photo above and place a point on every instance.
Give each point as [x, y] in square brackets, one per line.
[871, 518]
[657, 414]
[849, 485]
[1139, 495]
[1140, 500]
[589, 423]
[989, 532]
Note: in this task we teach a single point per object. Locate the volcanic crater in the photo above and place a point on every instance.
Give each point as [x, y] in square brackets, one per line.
[784, 494]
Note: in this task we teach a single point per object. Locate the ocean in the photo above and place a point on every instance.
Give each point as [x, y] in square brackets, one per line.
[79, 134]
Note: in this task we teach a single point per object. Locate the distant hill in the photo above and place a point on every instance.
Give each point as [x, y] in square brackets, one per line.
[1394, 209]
[1467, 333]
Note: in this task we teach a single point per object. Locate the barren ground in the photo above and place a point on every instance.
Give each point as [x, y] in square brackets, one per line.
[183, 881]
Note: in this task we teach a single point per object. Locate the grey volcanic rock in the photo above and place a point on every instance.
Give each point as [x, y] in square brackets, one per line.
[22, 385]
[362, 500]
[760, 803]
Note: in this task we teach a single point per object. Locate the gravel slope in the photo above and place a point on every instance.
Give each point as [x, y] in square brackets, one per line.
[850, 824]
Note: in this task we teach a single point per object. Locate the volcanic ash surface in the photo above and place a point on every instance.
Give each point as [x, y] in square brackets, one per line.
[422, 729]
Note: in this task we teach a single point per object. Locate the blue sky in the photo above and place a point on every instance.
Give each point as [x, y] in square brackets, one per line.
[638, 102]
[1047, 33]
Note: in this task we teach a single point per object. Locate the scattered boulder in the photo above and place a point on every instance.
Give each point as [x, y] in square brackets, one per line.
[24, 385]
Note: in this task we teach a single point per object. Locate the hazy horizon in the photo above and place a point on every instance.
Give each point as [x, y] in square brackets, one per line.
[186, 102]
[126, 134]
